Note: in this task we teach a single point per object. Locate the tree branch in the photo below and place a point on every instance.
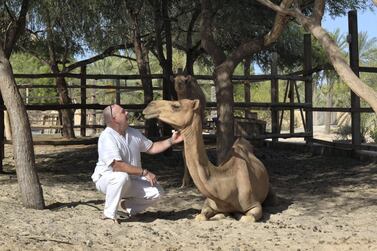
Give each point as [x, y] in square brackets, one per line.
[208, 43]
[12, 17]
[190, 30]
[277, 8]
[279, 24]
[106, 53]
[36, 55]
[124, 57]
[167, 29]
[158, 29]
[312, 24]
[16, 31]
[319, 9]
[250, 47]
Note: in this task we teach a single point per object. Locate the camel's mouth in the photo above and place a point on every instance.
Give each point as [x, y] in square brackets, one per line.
[150, 115]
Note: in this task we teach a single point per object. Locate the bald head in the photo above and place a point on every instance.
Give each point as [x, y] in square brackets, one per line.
[107, 115]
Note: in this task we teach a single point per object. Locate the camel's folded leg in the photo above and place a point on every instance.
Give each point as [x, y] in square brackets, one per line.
[186, 180]
[252, 215]
[206, 213]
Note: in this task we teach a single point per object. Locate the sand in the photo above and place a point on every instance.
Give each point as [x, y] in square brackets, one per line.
[324, 203]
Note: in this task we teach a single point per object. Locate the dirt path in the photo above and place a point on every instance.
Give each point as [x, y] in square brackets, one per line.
[324, 204]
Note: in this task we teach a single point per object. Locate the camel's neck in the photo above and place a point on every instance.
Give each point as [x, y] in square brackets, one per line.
[196, 157]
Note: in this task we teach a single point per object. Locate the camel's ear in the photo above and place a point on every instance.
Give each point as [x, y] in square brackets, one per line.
[195, 104]
[189, 77]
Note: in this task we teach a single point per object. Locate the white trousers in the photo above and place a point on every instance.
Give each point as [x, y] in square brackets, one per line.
[136, 191]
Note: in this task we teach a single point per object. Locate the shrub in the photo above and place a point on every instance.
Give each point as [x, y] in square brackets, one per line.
[344, 132]
[373, 134]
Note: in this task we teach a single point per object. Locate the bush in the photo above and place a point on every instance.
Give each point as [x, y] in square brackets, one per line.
[344, 132]
[373, 134]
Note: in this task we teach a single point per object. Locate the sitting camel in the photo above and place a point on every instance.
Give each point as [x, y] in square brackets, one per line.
[188, 88]
[239, 185]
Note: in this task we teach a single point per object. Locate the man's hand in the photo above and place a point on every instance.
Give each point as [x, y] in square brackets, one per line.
[176, 137]
[151, 178]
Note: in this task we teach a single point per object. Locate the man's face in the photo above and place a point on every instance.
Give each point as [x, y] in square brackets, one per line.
[119, 115]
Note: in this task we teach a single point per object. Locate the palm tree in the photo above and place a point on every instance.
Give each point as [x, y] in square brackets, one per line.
[329, 76]
[367, 48]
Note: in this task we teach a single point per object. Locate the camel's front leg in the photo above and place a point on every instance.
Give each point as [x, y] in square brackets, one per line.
[206, 213]
[252, 215]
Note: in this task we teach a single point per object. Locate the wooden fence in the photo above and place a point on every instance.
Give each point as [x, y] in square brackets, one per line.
[277, 108]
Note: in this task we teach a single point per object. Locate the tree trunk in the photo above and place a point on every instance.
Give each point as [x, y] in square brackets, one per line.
[142, 59]
[7, 129]
[163, 35]
[225, 104]
[28, 181]
[151, 128]
[190, 59]
[225, 64]
[329, 97]
[192, 52]
[246, 73]
[67, 114]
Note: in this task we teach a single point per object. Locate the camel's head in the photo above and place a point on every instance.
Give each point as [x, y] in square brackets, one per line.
[179, 114]
[181, 83]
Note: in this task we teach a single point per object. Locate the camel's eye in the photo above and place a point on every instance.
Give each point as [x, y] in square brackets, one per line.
[175, 107]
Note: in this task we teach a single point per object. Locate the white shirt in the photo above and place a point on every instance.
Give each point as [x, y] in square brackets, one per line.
[113, 146]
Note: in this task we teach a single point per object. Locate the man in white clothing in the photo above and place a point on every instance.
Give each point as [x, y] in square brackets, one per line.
[118, 173]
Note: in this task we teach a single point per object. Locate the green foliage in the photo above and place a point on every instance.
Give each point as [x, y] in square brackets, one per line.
[341, 7]
[25, 63]
[261, 92]
[373, 134]
[367, 128]
[238, 21]
[79, 26]
[290, 50]
[344, 132]
[55, 25]
[8, 10]
[367, 49]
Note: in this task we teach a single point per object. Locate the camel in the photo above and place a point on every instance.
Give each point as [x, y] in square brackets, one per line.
[238, 186]
[188, 88]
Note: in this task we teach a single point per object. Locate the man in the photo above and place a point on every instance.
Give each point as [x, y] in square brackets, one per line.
[118, 173]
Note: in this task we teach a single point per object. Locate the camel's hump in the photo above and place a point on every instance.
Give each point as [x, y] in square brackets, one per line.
[242, 145]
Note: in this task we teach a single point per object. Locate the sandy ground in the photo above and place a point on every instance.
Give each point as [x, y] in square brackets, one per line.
[324, 203]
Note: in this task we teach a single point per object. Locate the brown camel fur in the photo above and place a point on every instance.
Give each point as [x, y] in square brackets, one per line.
[239, 185]
[188, 88]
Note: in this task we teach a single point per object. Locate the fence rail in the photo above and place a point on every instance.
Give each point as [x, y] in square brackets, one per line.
[274, 106]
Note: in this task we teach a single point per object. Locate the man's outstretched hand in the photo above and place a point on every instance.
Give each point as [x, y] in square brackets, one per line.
[176, 137]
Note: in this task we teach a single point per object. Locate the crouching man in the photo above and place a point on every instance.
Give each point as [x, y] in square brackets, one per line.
[118, 173]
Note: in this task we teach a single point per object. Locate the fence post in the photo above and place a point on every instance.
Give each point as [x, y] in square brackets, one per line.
[2, 140]
[354, 64]
[308, 86]
[117, 91]
[291, 95]
[274, 96]
[83, 101]
[246, 73]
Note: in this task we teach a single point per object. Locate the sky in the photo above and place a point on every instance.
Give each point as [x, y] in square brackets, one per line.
[367, 21]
